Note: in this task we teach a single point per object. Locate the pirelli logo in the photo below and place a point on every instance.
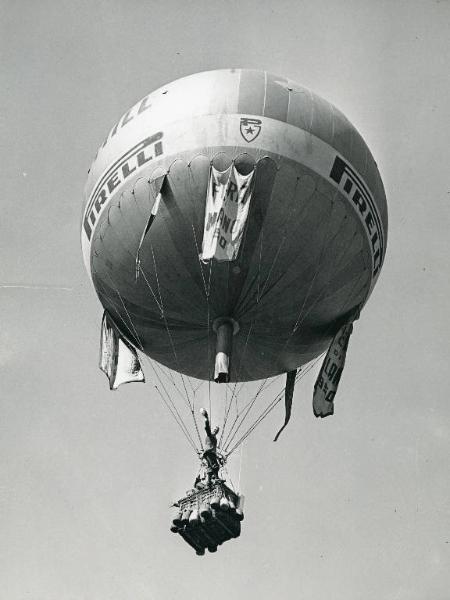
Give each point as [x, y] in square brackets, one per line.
[357, 192]
[149, 148]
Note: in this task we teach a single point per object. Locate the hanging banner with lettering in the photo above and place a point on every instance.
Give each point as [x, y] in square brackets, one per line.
[118, 359]
[227, 205]
[330, 373]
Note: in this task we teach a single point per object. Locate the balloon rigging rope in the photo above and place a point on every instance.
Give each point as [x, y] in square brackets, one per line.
[152, 195]
[303, 313]
[289, 219]
[226, 410]
[322, 296]
[173, 409]
[294, 329]
[171, 406]
[228, 404]
[209, 340]
[245, 411]
[160, 305]
[208, 316]
[169, 374]
[250, 404]
[234, 395]
[240, 467]
[154, 364]
[141, 270]
[200, 263]
[257, 421]
[128, 251]
[266, 412]
[247, 408]
[257, 302]
[278, 397]
[225, 417]
[182, 425]
[191, 406]
[169, 334]
[311, 286]
[173, 182]
[260, 291]
[259, 295]
[269, 408]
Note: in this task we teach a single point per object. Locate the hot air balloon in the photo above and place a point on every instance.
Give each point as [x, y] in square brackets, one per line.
[234, 226]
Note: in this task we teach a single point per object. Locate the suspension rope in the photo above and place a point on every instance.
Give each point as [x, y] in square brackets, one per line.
[234, 394]
[208, 315]
[311, 285]
[225, 419]
[227, 408]
[265, 413]
[175, 412]
[260, 291]
[209, 340]
[335, 257]
[270, 407]
[245, 411]
[169, 376]
[228, 477]
[235, 419]
[250, 404]
[302, 312]
[174, 350]
[141, 270]
[160, 305]
[179, 421]
[278, 397]
[290, 218]
[240, 466]
[257, 303]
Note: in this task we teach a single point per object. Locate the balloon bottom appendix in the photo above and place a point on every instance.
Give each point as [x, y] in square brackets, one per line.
[234, 226]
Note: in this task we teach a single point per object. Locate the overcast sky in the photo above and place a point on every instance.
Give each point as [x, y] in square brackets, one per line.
[350, 507]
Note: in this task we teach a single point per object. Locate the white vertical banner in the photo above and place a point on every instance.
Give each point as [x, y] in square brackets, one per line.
[118, 359]
[227, 205]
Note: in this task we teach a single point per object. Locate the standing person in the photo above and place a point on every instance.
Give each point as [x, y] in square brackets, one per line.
[210, 453]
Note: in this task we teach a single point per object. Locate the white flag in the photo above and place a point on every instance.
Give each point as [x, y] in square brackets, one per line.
[118, 359]
[227, 205]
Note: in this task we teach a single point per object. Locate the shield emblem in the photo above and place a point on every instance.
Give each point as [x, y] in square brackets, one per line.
[250, 128]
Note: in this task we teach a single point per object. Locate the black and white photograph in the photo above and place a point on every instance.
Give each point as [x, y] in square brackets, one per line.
[224, 284]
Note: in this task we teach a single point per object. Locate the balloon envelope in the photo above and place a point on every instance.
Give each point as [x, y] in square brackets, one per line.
[314, 237]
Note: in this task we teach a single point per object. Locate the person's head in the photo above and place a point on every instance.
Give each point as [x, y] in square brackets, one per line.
[215, 430]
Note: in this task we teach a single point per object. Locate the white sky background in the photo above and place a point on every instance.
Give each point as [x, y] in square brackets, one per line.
[353, 506]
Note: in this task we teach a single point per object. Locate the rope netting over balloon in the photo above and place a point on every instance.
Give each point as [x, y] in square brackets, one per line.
[137, 287]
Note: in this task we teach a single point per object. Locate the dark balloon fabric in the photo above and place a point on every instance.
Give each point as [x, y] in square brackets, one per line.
[301, 269]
